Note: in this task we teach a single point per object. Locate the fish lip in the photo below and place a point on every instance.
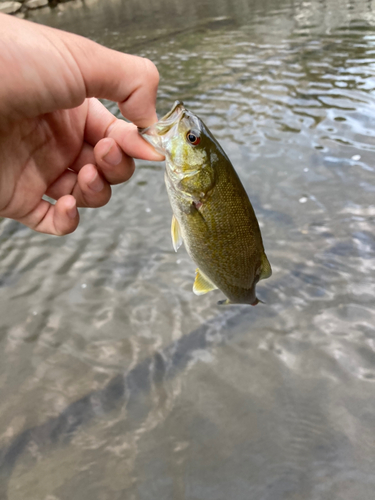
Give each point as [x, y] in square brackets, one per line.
[178, 107]
[162, 126]
[157, 134]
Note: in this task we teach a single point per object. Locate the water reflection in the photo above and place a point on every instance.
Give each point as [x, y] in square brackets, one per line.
[116, 381]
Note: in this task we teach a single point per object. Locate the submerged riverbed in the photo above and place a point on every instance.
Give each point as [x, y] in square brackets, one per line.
[116, 381]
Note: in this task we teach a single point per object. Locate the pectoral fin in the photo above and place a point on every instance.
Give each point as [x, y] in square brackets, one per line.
[266, 270]
[176, 234]
[202, 284]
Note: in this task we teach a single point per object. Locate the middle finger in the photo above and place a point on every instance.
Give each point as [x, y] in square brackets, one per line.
[113, 163]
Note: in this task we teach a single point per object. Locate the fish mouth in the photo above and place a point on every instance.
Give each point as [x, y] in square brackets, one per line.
[156, 134]
[175, 114]
[165, 123]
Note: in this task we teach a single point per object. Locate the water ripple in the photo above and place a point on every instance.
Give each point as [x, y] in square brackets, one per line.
[116, 381]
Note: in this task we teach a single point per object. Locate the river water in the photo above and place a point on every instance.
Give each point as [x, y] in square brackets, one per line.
[116, 381]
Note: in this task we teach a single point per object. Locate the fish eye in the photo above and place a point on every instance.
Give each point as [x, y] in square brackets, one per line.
[193, 137]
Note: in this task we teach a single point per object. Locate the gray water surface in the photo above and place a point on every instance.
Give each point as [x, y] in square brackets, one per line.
[116, 381]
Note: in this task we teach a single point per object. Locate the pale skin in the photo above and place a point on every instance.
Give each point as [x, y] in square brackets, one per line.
[56, 138]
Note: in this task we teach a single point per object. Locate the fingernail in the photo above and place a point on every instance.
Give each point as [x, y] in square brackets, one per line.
[114, 156]
[72, 210]
[96, 184]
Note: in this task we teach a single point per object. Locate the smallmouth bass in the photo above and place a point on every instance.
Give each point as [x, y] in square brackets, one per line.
[212, 213]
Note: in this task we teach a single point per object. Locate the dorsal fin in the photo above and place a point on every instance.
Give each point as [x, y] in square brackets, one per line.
[202, 284]
[176, 234]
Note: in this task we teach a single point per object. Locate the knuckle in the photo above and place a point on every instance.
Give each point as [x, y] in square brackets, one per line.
[98, 200]
[153, 76]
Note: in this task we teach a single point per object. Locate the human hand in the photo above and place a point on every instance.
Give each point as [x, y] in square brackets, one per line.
[56, 139]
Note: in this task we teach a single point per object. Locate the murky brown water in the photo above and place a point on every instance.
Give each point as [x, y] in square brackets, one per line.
[116, 381]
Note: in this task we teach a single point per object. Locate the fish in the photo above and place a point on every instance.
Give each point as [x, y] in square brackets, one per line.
[212, 213]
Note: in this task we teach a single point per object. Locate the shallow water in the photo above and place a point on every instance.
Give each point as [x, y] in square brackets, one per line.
[116, 381]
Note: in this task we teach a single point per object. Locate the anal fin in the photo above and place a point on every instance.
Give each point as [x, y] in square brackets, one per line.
[224, 302]
[202, 284]
[227, 302]
[176, 234]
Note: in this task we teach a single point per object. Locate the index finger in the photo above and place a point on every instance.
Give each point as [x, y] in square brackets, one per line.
[101, 123]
